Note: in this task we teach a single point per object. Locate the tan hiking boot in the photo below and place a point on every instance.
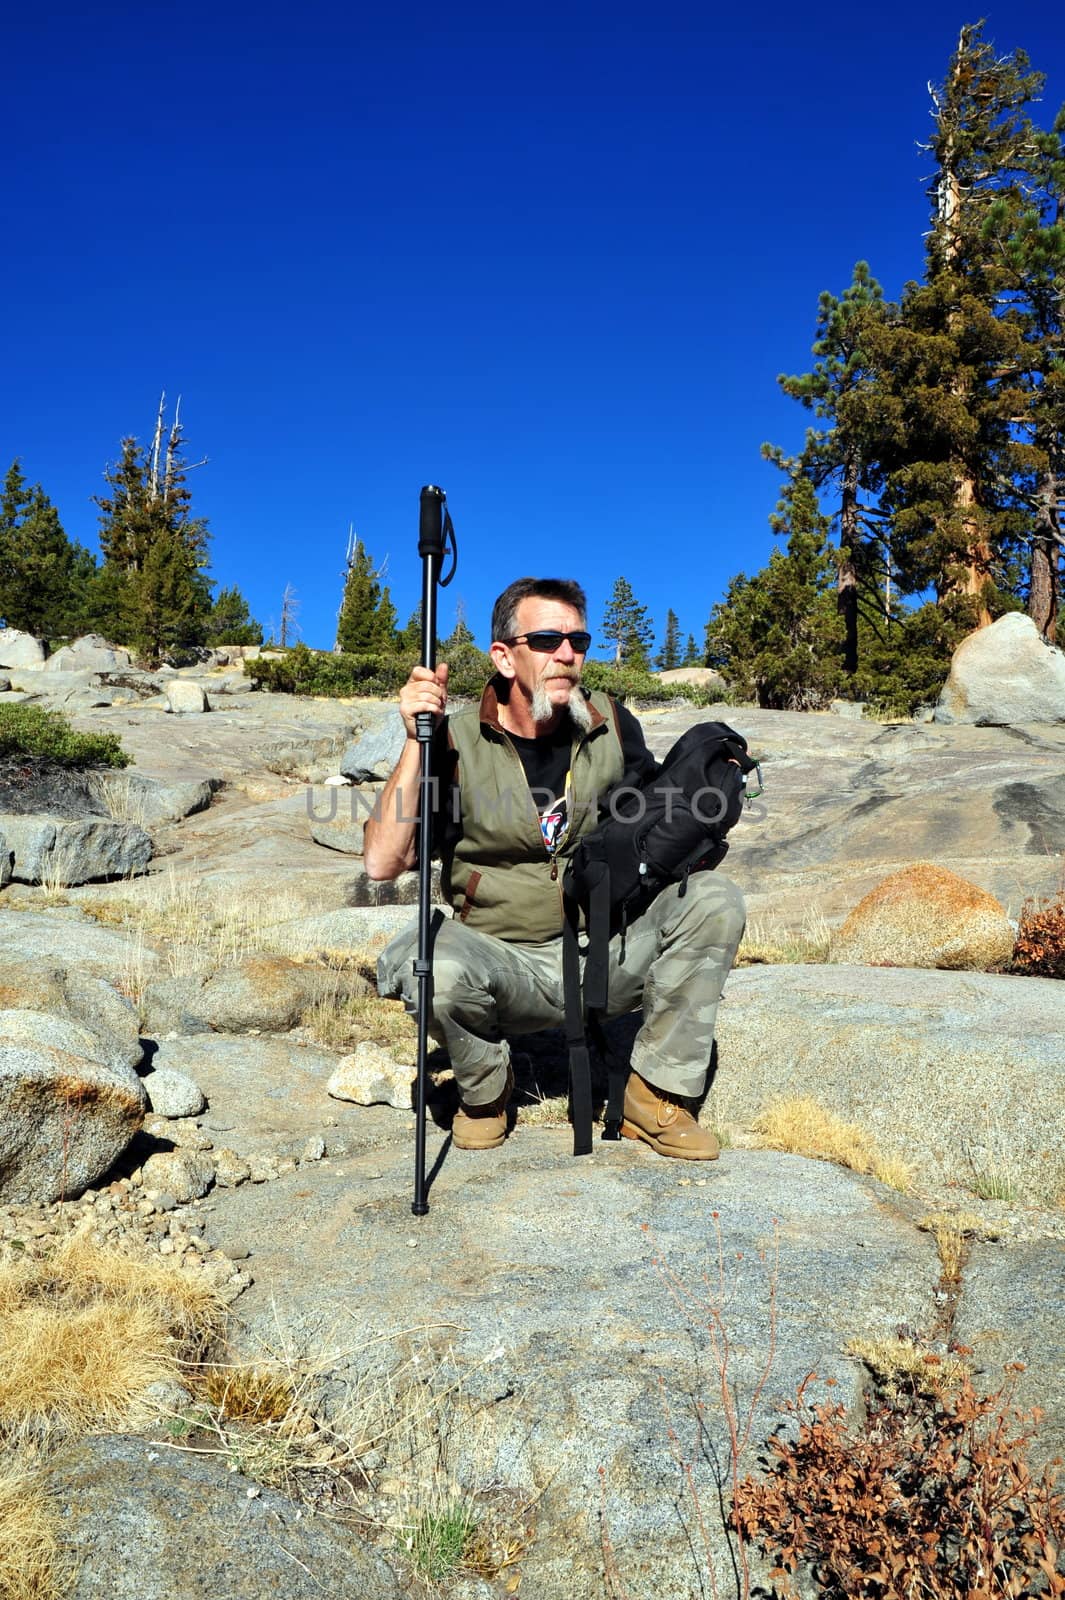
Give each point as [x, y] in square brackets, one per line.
[664, 1122]
[483, 1127]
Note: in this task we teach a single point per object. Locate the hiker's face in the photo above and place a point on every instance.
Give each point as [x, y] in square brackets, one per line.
[555, 673]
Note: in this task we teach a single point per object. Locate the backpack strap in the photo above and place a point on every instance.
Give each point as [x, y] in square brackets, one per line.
[580, 1065]
[586, 1006]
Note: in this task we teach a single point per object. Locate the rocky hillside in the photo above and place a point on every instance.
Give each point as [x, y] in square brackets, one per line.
[552, 1329]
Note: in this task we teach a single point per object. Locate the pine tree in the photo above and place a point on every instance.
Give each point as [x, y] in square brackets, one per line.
[693, 656]
[779, 635]
[626, 627]
[230, 621]
[843, 389]
[955, 356]
[44, 578]
[154, 549]
[165, 599]
[409, 638]
[367, 619]
[461, 634]
[669, 655]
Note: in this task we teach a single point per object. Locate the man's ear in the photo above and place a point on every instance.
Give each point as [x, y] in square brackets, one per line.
[501, 658]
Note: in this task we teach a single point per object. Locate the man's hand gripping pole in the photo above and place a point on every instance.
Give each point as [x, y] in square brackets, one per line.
[435, 536]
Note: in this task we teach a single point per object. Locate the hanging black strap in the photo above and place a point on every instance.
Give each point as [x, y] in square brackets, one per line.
[580, 1065]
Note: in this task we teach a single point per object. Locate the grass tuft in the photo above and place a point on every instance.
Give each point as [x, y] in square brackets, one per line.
[85, 1331]
[439, 1540]
[769, 943]
[31, 1567]
[803, 1127]
[952, 1231]
[902, 1368]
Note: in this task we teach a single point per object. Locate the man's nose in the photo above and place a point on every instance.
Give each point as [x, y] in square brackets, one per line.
[566, 653]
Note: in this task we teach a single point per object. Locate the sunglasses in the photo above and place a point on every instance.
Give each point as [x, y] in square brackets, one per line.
[548, 640]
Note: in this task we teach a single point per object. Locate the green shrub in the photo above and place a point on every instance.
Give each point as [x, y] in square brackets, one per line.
[48, 736]
[320, 672]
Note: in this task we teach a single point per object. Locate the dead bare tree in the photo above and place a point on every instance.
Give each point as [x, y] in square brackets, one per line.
[289, 629]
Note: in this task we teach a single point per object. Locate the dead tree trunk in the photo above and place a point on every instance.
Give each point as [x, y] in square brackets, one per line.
[847, 576]
[1044, 596]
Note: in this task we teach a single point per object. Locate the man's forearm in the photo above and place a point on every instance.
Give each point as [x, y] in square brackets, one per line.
[389, 837]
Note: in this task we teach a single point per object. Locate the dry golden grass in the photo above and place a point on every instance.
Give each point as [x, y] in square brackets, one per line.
[901, 1367]
[952, 1230]
[341, 1022]
[803, 1127]
[123, 798]
[85, 1331]
[31, 1566]
[769, 943]
[198, 929]
[543, 1111]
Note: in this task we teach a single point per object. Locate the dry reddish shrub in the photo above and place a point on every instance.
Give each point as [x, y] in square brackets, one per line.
[1040, 948]
[931, 1498]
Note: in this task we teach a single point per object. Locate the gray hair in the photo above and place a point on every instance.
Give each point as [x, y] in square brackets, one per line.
[504, 611]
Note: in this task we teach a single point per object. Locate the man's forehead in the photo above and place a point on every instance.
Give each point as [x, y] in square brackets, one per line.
[536, 612]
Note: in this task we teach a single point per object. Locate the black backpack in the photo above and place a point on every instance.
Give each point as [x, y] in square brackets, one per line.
[653, 835]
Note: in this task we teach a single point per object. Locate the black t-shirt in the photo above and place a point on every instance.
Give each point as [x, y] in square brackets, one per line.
[545, 762]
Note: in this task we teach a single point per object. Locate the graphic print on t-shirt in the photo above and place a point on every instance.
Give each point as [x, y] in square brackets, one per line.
[553, 820]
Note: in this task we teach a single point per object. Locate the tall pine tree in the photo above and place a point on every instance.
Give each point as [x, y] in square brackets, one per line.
[155, 551]
[952, 363]
[44, 578]
[843, 458]
[778, 635]
[627, 628]
[367, 620]
[669, 655]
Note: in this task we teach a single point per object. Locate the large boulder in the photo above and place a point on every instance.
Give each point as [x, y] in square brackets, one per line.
[580, 1298]
[66, 937]
[137, 798]
[376, 753]
[139, 1523]
[263, 993]
[705, 677]
[64, 1116]
[64, 850]
[91, 653]
[960, 1074]
[18, 649]
[925, 916]
[61, 994]
[186, 697]
[1003, 676]
[343, 834]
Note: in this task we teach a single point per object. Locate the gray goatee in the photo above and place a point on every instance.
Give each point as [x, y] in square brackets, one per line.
[579, 710]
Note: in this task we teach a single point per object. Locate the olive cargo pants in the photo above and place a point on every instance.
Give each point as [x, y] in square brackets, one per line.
[677, 956]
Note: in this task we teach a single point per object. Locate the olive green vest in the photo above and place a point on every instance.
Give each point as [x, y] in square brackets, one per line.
[499, 876]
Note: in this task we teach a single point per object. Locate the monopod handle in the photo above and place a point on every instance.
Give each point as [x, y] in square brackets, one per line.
[431, 522]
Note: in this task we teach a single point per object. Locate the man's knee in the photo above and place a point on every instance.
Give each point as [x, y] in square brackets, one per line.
[458, 978]
[716, 910]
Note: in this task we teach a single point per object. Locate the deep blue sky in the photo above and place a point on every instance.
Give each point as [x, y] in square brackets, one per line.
[552, 260]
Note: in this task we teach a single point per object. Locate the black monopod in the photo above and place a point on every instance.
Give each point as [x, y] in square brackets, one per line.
[435, 536]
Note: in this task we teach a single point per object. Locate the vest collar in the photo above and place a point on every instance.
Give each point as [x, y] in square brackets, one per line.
[489, 709]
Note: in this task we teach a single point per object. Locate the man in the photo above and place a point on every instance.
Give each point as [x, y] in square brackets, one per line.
[525, 770]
